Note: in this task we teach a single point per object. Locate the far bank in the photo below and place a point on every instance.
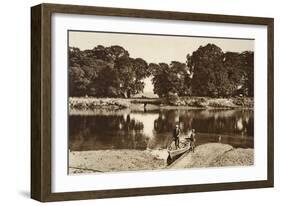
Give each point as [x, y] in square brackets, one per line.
[92, 103]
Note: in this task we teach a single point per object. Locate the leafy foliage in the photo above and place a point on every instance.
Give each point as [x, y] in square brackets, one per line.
[105, 72]
[171, 78]
[208, 71]
[219, 74]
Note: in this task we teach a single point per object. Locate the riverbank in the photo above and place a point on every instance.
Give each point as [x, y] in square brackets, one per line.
[206, 155]
[135, 104]
[113, 161]
[215, 155]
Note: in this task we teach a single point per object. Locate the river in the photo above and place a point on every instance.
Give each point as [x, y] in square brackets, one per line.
[124, 129]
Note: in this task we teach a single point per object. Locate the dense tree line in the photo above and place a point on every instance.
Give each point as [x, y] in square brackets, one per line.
[208, 71]
[105, 72]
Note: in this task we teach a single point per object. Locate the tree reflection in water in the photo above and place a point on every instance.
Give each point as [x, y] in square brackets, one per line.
[142, 130]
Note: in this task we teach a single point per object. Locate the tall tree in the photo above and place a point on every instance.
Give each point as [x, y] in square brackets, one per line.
[247, 59]
[180, 78]
[78, 83]
[170, 79]
[160, 80]
[207, 64]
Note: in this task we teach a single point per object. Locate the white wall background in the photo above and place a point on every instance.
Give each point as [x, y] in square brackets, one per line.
[15, 102]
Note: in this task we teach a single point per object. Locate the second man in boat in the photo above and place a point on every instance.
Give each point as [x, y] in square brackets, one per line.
[176, 136]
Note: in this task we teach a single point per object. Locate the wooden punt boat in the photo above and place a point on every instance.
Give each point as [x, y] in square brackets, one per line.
[176, 153]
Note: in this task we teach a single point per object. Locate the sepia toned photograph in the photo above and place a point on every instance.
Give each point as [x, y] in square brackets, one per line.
[141, 102]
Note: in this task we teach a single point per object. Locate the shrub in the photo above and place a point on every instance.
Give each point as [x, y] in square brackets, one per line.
[173, 99]
[94, 103]
[243, 101]
[221, 103]
[197, 102]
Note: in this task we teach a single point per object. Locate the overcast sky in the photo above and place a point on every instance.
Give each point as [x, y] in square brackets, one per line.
[155, 48]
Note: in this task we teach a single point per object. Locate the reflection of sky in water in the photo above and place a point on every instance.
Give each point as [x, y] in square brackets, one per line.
[148, 122]
[239, 124]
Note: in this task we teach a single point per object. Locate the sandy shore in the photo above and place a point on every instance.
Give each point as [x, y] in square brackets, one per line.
[206, 155]
[114, 160]
[215, 155]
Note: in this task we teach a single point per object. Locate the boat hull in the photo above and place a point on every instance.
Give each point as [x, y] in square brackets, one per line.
[176, 153]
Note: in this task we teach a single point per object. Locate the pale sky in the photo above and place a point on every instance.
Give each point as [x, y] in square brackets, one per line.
[153, 48]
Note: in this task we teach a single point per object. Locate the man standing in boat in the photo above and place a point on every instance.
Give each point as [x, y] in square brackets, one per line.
[176, 136]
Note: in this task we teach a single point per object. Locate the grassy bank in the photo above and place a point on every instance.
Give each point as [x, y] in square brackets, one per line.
[91, 103]
[208, 102]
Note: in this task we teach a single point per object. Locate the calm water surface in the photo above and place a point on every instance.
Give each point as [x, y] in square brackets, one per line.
[122, 129]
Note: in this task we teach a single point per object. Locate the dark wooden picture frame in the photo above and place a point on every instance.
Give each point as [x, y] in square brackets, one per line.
[41, 116]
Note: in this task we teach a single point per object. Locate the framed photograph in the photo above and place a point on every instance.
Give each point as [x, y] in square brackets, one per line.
[130, 102]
